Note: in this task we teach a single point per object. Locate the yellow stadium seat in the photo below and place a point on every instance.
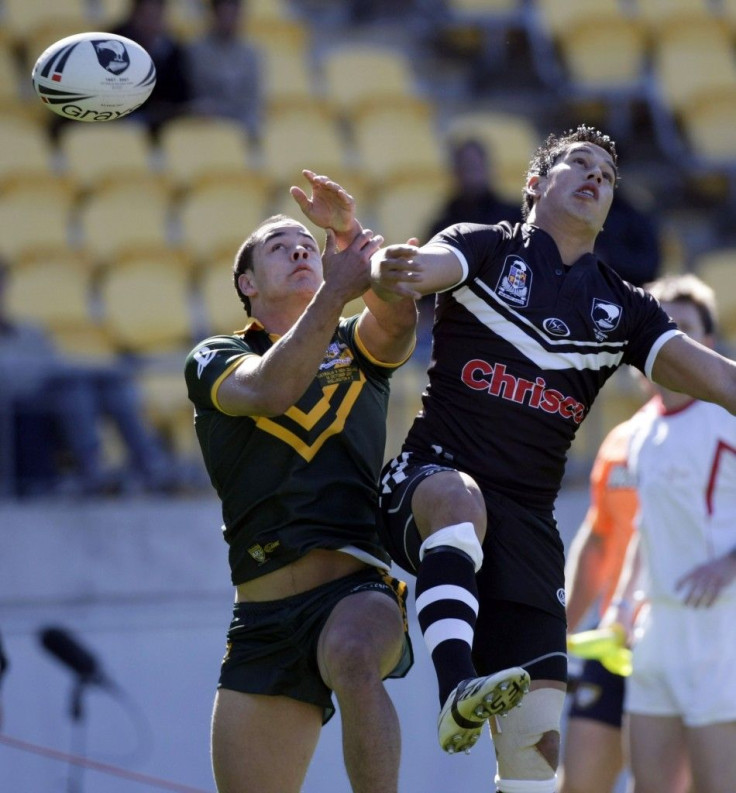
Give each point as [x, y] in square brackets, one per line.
[145, 301]
[392, 144]
[168, 409]
[718, 269]
[25, 149]
[120, 218]
[21, 18]
[360, 76]
[192, 148]
[298, 138]
[659, 14]
[35, 216]
[95, 154]
[407, 209]
[557, 15]
[287, 79]
[510, 140]
[708, 124]
[54, 290]
[222, 310]
[693, 60]
[216, 216]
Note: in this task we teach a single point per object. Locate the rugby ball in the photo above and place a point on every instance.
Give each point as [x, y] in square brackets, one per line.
[94, 77]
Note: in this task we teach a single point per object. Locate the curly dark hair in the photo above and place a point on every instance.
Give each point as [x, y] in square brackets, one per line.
[556, 145]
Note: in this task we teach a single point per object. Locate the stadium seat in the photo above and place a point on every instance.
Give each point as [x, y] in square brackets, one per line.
[718, 269]
[96, 154]
[363, 76]
[192, 148]
[21, 18]
[392, 143]
[222, 311]
[25, 149]
[407, 209]
[35, 216]
[510, 139]
[708, 124]
[120, 218]
[167, 408]
[693, 59]
[287, 79]
[302, 137]
[216, 216]
[145, 302]
[658, 15]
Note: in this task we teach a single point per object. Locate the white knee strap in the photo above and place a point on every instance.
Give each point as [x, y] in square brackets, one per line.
[461, 536]
[521, 766]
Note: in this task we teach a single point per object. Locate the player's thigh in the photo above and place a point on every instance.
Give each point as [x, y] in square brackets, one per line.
[712, 751]
[658, 753]
[262, 744]
[363, 634]
[593, 757]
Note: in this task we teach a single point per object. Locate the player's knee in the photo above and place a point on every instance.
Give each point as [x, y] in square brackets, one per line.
[527, 744]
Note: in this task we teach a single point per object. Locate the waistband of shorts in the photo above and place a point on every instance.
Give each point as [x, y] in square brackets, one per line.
[264, 606]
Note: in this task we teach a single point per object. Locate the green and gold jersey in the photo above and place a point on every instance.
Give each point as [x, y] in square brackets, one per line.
[303, 480]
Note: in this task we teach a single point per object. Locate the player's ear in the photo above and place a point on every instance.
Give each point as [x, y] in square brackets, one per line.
[246, 285]
[534, 185]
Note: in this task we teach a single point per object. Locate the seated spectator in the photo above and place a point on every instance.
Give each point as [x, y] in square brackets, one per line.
[146, 24]
[224, 70]
[629, 242]
[52, 406]
[473, 199]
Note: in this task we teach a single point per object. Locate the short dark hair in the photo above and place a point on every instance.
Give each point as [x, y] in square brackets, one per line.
[688, 288]
[244, 256]
[555, 146]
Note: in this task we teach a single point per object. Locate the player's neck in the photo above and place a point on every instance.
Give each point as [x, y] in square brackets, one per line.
[572, 237]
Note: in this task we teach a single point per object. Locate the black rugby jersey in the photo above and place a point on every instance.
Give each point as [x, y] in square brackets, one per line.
[520, 350]
[306, 479]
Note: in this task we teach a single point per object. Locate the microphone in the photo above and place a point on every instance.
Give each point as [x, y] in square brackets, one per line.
[81, 661]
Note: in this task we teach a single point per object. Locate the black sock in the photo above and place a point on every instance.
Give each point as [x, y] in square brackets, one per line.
[447, 609]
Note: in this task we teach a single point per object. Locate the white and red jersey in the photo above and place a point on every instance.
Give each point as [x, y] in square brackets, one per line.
[521, 347]
[684, 466]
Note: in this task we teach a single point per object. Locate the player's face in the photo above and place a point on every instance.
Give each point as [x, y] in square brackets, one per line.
[286, 262]
[580, 185]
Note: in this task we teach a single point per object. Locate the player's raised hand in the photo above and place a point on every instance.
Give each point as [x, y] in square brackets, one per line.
[329, 206]
[348, 272]
[393, 271]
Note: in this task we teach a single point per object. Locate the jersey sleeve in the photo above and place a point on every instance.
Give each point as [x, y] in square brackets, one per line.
[473, 244]
[651, 328]
[208, 364]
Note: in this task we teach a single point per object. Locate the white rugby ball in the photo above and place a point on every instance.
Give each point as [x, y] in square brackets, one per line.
[94, 77]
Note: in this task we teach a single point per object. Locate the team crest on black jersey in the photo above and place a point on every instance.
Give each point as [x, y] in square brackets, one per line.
[515, 282]
[605, 316]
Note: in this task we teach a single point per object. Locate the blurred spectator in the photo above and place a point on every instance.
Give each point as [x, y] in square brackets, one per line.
[473, 199]
[51, 406]
[3, 669]
[146, 24]
[629, 242]
[224, 69]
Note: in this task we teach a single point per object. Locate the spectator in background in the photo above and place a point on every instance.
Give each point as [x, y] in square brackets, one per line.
[629, 241]
[50, 403]
[473, 199]
[146, 24]
[224, 70]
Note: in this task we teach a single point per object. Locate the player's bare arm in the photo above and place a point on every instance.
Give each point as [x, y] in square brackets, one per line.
[686, 366]
[399, 271]
[269, 385]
